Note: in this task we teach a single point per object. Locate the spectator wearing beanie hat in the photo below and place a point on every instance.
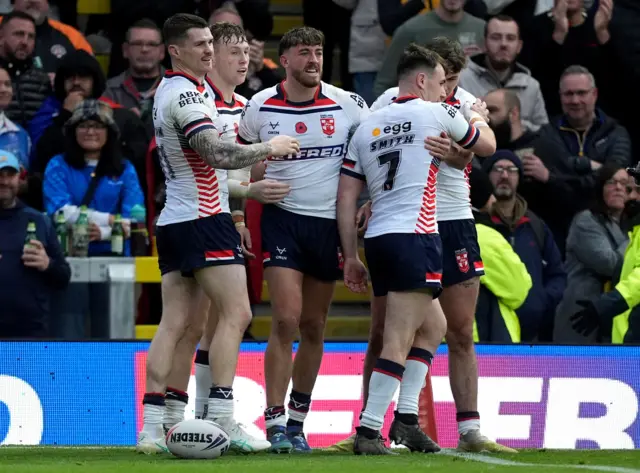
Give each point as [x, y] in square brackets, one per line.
[506, 282]
[532, 240]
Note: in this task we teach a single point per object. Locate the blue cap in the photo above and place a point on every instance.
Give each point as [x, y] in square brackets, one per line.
[9, 160]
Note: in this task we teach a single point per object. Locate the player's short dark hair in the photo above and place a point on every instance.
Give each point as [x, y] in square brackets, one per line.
[416, 57]
[503, 18]
[303, 36]
[175, 28]
[144, 24]
[16, 15]
[451, 51]
[225, 33]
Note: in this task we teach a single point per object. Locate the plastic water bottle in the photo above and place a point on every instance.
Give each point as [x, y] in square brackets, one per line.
[117, 236]
[139, 235]
[81, 234]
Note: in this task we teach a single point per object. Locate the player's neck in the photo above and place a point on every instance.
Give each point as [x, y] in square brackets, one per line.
[297, 92]
[224, 88]
[178, 67]
[406, 90]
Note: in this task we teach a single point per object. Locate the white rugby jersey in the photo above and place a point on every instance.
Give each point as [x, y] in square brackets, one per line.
[454, 202]
[387, 151]
[182, 108]
[323, 126]
[227, 126]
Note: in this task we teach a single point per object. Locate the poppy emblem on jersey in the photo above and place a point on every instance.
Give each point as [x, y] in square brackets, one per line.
[462, 258]
[301, 128]
[328, 124]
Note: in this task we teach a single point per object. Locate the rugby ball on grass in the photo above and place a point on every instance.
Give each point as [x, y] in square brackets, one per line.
[197, 439]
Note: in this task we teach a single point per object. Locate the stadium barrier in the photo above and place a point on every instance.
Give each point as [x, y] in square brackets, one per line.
[90, 393]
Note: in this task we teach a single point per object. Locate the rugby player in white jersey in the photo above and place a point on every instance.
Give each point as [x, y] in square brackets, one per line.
[402, 245]
[302, 256]
[198, 244]
[231, 60]
[462, 265]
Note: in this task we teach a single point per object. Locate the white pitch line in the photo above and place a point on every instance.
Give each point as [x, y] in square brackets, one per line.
[500, 461]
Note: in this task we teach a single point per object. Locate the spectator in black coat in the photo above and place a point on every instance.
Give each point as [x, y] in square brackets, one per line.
[31, 85]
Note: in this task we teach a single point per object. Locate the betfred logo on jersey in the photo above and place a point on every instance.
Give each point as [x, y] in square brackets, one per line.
[337, 151]
[328, 124]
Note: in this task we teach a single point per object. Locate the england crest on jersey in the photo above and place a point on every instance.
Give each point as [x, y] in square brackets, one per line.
[328, 124]
[462, 258]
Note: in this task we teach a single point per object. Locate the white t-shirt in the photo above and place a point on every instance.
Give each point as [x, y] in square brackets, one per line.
[388, 152]
[454, 202]
[182, 108]
[323, 126]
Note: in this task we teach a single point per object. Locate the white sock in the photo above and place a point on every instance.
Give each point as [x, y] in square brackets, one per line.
[153, 416]
[275, 416]
[415, 374]
[220, 404]
[468, 421]
[203, 383]
[173, 413]
[384, 382]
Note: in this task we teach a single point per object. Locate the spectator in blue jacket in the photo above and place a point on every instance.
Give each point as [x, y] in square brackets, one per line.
[29, 272]
[93, 152]
[532, 240]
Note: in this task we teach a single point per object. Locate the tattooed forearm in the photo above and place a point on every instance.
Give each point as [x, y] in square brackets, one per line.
[236, 204]
[225, 154]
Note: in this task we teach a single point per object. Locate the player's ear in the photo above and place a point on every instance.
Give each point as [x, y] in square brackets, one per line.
[174, 50]
[284, 62]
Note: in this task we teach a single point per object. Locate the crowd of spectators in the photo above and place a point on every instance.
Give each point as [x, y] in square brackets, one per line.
[558, 77]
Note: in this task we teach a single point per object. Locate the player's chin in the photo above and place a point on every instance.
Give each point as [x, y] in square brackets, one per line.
[311, 79]
[240, 77]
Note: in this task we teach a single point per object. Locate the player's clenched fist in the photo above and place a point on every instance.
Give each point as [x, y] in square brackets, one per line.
[284, 145]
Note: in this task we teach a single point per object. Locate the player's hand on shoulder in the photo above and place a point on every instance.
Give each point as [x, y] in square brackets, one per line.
[445, 149]
[355, 275]
[480, 107]
[268, 191]
[283, 145]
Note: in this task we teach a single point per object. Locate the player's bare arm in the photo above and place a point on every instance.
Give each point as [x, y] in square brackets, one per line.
[221, 154]
[349, 189]
[355, 273]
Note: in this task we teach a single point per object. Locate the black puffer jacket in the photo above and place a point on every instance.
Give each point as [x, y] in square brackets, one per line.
[31, 86]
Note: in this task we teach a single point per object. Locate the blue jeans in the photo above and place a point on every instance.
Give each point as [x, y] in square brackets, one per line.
[363, 85]
[71, 308]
